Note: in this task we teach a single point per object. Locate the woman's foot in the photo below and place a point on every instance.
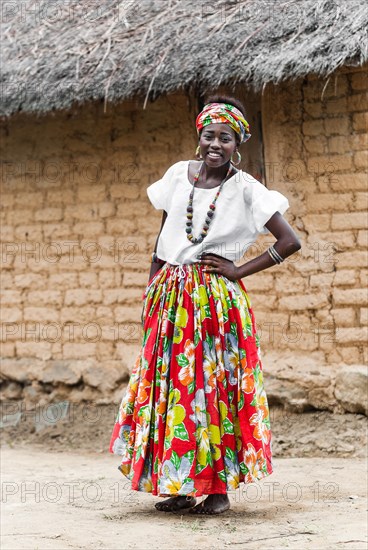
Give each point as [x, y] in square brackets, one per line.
[174, 504]
[213, 504]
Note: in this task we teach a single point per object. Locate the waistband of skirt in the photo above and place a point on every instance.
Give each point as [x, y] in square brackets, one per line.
[182, 270]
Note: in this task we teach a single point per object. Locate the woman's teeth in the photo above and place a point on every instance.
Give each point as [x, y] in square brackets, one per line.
[214, 155]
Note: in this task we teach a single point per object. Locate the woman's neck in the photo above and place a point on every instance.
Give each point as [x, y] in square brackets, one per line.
[214, 173]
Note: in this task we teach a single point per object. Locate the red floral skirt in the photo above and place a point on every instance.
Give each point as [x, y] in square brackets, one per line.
[194, 419]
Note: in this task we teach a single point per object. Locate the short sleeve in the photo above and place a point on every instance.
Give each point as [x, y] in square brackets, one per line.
[264, 203]
[160, 192]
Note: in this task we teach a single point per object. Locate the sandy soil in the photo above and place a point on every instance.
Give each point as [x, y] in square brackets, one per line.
[61, 490]
[79, 500]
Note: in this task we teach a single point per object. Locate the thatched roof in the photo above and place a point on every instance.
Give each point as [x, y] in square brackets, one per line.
[55, 53]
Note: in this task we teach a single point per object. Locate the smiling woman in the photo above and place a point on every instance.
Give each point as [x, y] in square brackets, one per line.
[195, 419]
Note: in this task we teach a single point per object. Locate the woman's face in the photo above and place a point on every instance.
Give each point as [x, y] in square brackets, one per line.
[217, 143]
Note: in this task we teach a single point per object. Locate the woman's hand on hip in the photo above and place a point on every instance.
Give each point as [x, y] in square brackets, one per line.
[219, 265]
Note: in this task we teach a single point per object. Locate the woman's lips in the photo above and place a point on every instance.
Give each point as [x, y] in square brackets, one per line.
[214, 155]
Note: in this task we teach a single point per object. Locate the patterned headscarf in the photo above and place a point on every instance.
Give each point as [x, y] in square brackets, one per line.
[216, 113]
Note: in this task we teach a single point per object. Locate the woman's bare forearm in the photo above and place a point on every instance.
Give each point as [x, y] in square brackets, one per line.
[264, 261]
[287, 243]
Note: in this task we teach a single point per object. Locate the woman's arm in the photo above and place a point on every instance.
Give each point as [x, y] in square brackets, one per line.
[155, 266]
[287, 243]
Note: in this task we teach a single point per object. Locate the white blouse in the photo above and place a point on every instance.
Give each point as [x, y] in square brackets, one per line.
[242, 208]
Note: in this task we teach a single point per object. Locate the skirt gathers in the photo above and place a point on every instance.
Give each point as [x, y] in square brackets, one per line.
[194, 419]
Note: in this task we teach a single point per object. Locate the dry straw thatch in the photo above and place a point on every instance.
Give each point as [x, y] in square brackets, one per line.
[60, 52]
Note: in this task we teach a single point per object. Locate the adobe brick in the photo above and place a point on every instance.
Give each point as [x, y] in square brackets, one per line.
[316, 146]
[330, 164]
[54, 231]
[345, 277]
[106, 209]
[30, 280]
[7, 349]
[361, 201]
[336, 86]
[134, 278]
[337, 106]
[337, 125]
[63, 280]
[363, 315]
[79, 314]
[362, 239]
[82, 296]
[60, 197]
[314, 109]
[357, 102]
[44, 297]
[343, 316]
[350, 355]
[13, 216]
[313, 128]
[354, 258]
[30, 200]
[352, 335]
[341, 240]
[319, 202]
[49, 214]
[351, 296]
[351, 220]
[39, 350]
[361, 160]
[91, 193]
[11, 297]
[120, 227]
[84, 212]
[88, 279]
[359, 81]
[284, 283]
[79, 350]
[350, 181]
[10, 314]
[128, 313]
[303, 302]
[320, 221]
[125, 191]
[88, 229]
[29, 233]
[323, 280]
[7, 233]
[41, 314]
[360, 122]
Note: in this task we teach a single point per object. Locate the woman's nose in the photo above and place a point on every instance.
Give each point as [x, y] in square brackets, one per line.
[216, 143]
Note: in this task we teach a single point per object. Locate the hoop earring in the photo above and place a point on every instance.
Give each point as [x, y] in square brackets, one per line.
[239, 158]
[198, 152]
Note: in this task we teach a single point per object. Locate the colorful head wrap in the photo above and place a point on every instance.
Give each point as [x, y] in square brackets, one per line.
[223, 113]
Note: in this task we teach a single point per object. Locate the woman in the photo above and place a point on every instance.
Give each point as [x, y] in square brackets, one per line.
[195, 420]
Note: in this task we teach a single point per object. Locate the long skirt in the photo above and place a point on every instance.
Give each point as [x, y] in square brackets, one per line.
[194, 419]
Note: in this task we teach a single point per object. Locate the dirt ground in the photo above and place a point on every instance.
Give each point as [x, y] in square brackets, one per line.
[61, 489]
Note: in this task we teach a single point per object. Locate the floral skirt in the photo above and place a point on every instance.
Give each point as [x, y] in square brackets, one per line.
[194, 419]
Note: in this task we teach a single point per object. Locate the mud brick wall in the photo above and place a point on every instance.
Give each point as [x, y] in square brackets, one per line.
[78, 229]
[316, 152]
[77, 233]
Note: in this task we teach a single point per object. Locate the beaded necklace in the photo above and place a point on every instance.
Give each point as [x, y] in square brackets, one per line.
[210, 212]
